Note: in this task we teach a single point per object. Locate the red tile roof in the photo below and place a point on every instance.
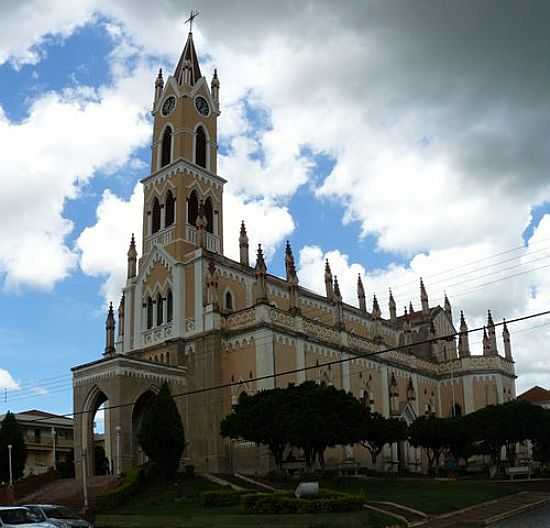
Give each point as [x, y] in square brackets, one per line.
[535, 394]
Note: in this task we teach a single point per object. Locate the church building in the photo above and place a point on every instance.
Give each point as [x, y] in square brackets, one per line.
[199, 320]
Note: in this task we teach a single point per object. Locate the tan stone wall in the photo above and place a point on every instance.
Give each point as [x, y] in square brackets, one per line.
[237, 289]
[159, 275]
[189, 292]
[485, 391]
[285, 359]
[446, 393]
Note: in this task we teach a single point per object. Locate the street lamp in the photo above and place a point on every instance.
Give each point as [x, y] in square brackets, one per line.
[11, 470]
[54, 446]
[118, 470]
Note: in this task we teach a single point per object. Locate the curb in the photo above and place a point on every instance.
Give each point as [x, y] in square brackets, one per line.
[516, 511]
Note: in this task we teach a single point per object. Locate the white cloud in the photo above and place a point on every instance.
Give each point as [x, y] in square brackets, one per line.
[7, 381]
[66, 138]
[104, 245]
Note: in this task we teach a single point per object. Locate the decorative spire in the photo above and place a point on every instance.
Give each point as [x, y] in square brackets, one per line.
[507, 342]
[337, 294]
[491, 334]
[486, 346]
[132, 258]
[110, 331]
[159, 87]
[261, 271]
[328, 282]
[393, 307]
[411, 309]
[212, 285]
[215, 88]
[292, 279]
[463, 337]
[424, 298]
[361, 294]
[447, 304]
[121, 317]
[376, 312]
[188, 70]
[243, 246]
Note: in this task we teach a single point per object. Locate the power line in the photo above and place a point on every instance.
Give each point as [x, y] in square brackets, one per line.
[354, 356]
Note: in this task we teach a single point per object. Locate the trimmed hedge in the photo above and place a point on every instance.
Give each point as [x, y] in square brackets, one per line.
[228, 497]
[286, 502]
[132, 483]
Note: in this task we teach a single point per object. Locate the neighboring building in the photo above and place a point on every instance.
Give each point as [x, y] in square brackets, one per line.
[39, 429]
[195, 318]
[537, 395]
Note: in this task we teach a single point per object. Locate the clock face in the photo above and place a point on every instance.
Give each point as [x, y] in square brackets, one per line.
[202, 105]
[168, 105]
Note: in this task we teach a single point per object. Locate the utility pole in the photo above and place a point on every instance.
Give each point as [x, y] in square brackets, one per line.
[118, 468]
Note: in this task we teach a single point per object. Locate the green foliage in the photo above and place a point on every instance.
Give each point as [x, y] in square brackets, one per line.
[287, 503]
[219, 498]
[161, 433]
[11, 434]
[309, 416]
[433, 434]
[132, 484]
[374, 432]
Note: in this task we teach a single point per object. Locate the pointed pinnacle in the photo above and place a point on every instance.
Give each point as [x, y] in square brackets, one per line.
[327, 267]
[360, 288]
[505, 328]
[243, 228]
[411, 309]
[337, 293]
[288, 249]
[462, 319]
[392, 300]
[490, 319]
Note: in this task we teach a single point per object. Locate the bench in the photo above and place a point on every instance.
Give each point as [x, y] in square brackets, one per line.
[514, 471]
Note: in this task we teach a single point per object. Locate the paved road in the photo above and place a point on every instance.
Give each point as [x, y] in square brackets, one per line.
[535, 519]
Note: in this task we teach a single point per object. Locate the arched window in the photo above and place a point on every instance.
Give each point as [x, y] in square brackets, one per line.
[200, 147]
[193, 208]
[209, 213]
[155, 224]
[166, 148]
[169, 306]
[149, 312]
[228, 301]
[160, 310]
[169, 208]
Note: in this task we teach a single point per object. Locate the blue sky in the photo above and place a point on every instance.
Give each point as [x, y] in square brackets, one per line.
[337, 163]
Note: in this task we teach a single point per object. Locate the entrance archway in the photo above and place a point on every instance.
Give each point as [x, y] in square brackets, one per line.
[141, 405]
[96, 433]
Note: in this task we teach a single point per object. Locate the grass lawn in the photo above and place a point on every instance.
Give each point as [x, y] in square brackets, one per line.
[428, 496]
[181, 506]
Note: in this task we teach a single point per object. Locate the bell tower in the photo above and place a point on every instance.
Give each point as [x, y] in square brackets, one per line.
[183, 194]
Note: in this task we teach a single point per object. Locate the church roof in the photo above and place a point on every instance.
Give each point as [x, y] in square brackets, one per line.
[535, 394]
[189, 54]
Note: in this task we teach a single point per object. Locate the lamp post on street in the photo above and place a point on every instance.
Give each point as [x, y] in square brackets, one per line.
[54, 464]
[11, 470]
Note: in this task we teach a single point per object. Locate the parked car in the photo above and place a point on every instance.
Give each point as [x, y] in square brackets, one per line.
[21, 517]
[58, 516]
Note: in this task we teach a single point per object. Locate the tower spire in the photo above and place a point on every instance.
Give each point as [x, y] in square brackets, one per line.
[261, 271]
[507, 343]
[492, 343]
[188, 70]
[376, 312]
[132, 258]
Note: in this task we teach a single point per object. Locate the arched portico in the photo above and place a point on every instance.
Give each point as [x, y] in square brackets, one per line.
[126, 386]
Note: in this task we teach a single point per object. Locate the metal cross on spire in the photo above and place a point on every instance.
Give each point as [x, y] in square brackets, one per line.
[192, 16]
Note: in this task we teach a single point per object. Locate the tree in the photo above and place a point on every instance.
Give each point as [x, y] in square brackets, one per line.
[433, 434]
[11, 434]
[261, 418]
[541, 440]
[161, 433]
[375, 431]
[322, 416]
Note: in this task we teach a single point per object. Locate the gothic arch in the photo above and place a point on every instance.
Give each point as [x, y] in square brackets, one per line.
[169, 209]
[160, 309]
[209, 213]
[155, 216]
[150, 308]
[201, 151]
[138, 410]
[166, 146]
[169, 305]
[228, 300]
[192, 208]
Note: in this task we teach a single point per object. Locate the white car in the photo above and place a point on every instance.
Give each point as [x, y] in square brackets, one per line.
[58, 516]
[20, 517]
